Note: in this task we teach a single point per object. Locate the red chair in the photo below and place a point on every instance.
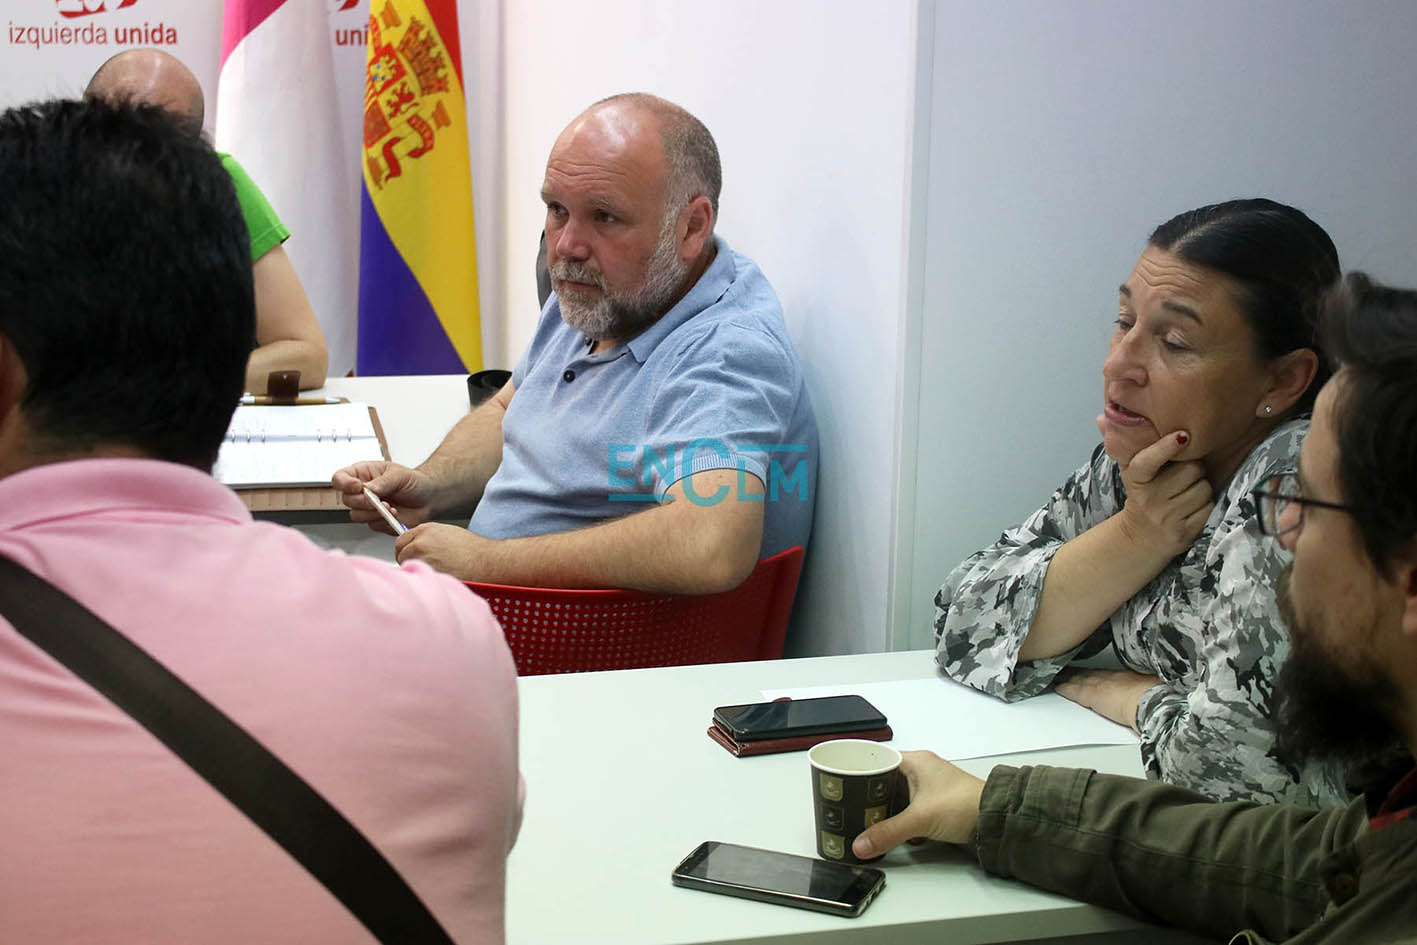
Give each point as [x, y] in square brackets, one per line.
[576, 631]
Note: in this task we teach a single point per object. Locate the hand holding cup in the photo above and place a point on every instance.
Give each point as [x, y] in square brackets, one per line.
[855, 783]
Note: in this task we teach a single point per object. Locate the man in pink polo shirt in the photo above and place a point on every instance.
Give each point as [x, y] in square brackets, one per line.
[125, 322]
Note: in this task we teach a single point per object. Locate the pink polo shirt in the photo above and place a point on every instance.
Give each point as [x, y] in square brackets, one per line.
[390, 690]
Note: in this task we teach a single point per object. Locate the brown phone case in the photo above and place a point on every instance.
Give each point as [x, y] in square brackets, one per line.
[769, 746]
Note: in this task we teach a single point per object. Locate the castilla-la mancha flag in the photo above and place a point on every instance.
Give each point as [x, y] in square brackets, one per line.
[278, 115]
[418, 309]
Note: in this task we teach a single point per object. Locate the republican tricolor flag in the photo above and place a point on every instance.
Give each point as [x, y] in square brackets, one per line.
[278, 115]
[418, 310]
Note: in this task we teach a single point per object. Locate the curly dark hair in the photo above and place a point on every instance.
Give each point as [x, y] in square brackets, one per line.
[1371, 332]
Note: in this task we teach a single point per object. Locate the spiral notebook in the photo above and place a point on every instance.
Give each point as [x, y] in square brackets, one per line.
[277, 447]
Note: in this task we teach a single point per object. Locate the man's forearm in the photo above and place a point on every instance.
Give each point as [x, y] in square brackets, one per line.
[1158, 851]
[676, 548]
[466, 459]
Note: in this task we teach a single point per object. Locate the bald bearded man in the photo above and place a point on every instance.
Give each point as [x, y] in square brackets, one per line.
[288, 336]
[657, 432]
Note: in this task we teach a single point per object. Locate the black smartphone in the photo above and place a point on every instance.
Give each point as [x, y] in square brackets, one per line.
[783, 878]
[798, 717]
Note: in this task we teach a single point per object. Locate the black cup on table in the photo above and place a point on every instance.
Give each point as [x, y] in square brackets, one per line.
[484, 384]
[855, 783]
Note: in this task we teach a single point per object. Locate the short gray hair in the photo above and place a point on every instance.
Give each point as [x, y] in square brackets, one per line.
[689, 149]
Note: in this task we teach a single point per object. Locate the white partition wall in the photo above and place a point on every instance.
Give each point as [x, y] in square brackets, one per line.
[1059, 134]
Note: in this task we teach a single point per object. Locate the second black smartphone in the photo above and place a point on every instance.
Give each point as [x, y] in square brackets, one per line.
[781, 878]
[790, 717]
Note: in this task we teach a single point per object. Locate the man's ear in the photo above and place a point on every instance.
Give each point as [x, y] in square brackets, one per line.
[14, 380]
[697, 220]
[1292, 375]
[1407, 581]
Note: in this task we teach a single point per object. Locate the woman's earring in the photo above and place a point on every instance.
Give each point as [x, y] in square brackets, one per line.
[1268, 410]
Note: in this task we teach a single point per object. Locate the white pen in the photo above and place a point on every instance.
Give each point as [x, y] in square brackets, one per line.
[265, 400]
[398, 527]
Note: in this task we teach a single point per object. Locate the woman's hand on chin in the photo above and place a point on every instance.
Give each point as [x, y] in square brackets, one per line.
[1168, 501]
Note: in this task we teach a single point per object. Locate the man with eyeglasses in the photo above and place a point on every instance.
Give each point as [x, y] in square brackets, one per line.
[1347, 691]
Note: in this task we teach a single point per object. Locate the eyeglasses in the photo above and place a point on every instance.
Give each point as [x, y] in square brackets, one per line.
[1277, 496]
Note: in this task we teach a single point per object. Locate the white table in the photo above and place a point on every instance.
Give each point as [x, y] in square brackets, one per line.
[622, 782]
[416, 411]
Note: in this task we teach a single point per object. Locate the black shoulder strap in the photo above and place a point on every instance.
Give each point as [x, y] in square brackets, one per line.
[274, 797]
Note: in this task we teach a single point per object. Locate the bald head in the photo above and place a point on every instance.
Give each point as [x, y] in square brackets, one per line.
[621, 144]
[150, 77]
[689, 152]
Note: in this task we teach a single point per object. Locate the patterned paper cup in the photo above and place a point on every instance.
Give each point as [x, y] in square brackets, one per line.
[855, 783]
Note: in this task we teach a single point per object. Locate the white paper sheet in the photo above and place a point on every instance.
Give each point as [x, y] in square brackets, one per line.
[957, 722]
[294, 446]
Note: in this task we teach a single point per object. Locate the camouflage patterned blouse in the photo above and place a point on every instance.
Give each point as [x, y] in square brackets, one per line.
[1208, 625]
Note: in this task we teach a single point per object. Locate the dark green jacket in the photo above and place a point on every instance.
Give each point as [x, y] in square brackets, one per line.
[1278, 873]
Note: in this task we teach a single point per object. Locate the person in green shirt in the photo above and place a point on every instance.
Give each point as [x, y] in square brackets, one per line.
[288, 336]
[1348, 691]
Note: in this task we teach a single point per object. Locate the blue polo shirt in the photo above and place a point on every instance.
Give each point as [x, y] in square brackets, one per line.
[714, 384]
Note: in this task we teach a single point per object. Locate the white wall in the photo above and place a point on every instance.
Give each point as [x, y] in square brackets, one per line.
[1060, 134]
[810, 102]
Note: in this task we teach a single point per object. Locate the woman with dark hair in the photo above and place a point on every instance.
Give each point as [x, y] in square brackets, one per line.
[1153, 545]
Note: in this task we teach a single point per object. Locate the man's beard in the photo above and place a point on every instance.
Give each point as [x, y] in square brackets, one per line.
[622, 316]
[1322, 710]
